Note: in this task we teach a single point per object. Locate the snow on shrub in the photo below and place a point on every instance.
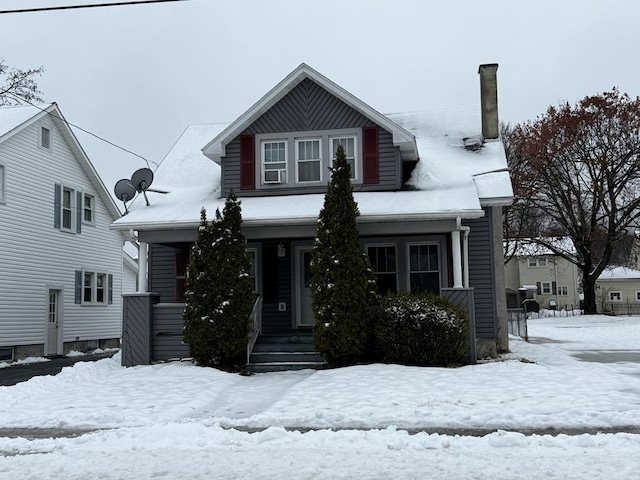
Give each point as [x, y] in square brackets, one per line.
[421, 329]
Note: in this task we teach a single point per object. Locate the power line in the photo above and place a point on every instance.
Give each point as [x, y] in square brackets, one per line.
[93, 5]
[82, 129]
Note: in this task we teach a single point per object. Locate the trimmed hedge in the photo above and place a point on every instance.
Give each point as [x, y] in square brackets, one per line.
[421, 329]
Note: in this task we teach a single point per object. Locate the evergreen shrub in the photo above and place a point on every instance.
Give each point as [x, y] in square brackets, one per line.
[219, 292]
[421, 329]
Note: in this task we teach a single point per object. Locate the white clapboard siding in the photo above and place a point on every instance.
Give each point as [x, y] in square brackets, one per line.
[35, 256]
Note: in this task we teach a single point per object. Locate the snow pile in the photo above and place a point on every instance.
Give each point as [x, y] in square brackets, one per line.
[171, 420]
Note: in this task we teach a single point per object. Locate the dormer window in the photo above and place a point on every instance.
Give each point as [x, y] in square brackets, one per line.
[300, 158]
[308, 160]
[349, 146]
[274, 162]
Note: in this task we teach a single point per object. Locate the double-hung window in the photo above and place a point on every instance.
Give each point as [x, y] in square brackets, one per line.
[67, 207]
[88, 215]
[308, 160]
[274, 161]
[383, 262]
[615, 296]
[563, 291]
[546, 288]
[94, 288]
[424, 267]
[349, 145]
[3, 183]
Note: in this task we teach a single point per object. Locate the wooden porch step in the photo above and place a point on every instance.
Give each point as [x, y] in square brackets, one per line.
[284, 366]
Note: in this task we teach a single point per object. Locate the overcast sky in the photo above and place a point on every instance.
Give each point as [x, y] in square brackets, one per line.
[138, 75]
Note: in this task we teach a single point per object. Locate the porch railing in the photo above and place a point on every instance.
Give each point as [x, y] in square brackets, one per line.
[255, 325]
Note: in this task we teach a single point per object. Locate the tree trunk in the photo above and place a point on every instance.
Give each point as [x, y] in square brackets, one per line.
[589, 292]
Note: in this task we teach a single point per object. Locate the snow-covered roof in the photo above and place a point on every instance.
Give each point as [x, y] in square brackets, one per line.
[450, 180]
[613, 272]
[14, 119]
[528, 247]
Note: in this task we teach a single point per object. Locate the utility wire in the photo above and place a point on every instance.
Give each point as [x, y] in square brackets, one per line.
[93, 5]
[82, 129]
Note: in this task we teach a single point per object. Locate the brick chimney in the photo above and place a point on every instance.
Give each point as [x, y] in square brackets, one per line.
[489, 99]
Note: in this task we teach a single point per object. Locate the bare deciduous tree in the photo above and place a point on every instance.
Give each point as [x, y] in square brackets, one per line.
[18, 86]
[576, 172]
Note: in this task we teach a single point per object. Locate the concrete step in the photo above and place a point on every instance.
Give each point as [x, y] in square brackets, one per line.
[284, 366]
[284, 357]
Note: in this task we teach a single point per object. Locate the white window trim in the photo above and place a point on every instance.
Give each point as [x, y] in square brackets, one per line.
[263, 163]
[298, 161]
[546, 284]
[3, 182]
[565, 289]
[357, 173]
[290, 138]
[408, 260]
[94, 288]
[93, 209]
[637, 295]
[617, 300]
[41, 128]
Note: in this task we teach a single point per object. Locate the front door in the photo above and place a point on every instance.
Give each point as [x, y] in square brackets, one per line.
[53, 325]
[304, 313]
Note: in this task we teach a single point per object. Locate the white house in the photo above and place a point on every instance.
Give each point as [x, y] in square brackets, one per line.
[61, 266]
[618, 290]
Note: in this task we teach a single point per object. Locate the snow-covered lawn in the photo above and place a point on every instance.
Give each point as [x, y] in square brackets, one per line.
[177, 421]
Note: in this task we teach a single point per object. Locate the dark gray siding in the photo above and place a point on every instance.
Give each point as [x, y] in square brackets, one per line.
[481, 275]
[309, 107]
[167, 332]
[137, 329]
[162, 272]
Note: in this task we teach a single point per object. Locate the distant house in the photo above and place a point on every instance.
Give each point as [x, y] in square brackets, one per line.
[429, 186]
[61, 266]
[536, 274]
[618, 291]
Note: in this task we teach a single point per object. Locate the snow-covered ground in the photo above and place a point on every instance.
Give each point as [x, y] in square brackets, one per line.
[180, 421]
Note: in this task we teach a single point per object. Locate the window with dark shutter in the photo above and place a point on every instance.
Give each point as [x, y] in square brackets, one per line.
[247, 163]
[370, 155]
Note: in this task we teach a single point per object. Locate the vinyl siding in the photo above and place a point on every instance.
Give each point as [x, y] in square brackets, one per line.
[162, 272]
[308, 107]
[481, 275]
[35, 256]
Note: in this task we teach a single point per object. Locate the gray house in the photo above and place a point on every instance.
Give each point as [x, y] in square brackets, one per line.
[429, 186]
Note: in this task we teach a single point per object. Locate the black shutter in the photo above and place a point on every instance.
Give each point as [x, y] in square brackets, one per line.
[57, 194]
[79, 209]
[554, 288]
[538, 288]
[78, 287]
[110, 288]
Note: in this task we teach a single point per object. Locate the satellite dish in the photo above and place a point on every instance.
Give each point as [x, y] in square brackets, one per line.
[125, 191]
[141, 181]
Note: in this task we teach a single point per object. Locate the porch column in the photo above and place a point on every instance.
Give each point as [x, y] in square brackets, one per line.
[456, 255]
[142, 267]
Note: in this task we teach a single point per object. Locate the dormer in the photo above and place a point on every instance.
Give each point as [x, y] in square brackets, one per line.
[285, 143]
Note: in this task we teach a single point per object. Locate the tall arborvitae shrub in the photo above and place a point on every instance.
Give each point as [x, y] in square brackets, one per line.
[219, 292]
[342, 283]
